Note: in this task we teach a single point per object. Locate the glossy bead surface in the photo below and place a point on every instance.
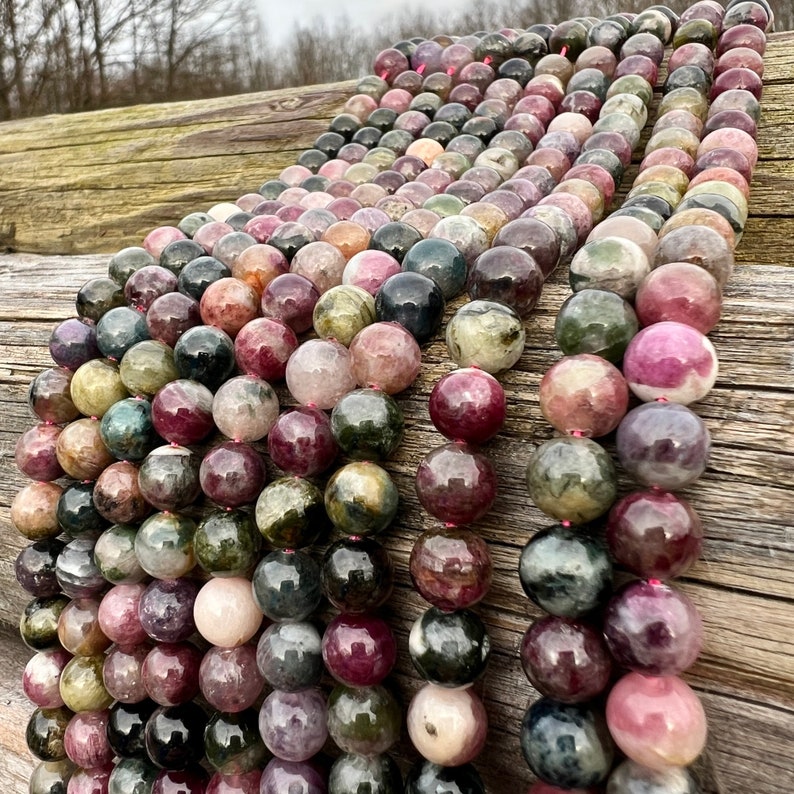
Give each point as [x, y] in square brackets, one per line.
[359, 650]
[182, 412]
[204, 354]
[226, 543]
[174, 735]
[225, 612]
[633, 778]
[114, 555]
[49, 396]
[169, 477]
[35, 453]
[367, 424]
[34, 510]
[38, 624]
[166, 609]
[363, 720]
[229, 678]
[76, 570]
[34, 567]
[566, 745]
[52, 777]
[301, 443]
[170, 673]
[45, 733]
[132, 776]
[40, 680]
[79, 628]
[263, 346]
[656, 721]
[122, 673]
[126, 728]
[85, 739]
[245, 408]
[565, 571]
[318, 373]
[164, 545]
[386, 356]
[232, 743]
[412, 300]
[289, 656]
[293, 724]
[425, 777]
[361, 499]
[127, 430]
[232, 474]
[280, 775]
[378, 774]
[357, 574]
[286, 585]
[82, 688]
[147, 366]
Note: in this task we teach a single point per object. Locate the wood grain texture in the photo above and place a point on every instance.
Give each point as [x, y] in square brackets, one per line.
[744, 584]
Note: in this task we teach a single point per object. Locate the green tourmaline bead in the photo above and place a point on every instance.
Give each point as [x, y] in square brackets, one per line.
[147, 367]
[114, 555]
[595, 321]
[52, 777]
[363, 720]
[132, 776]
[81, 684]
[45, 733]
[378, 774]
[290, 513]
[227, 543]
[342, 312]
[361, 499]
[232, 743]
[367, 424]
[95, 386]
[164, 545]
[38, 625]
[123, 264]
[126, 429]
[572, 479]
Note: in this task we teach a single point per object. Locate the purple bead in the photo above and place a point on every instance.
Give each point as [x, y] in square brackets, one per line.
[229, 678]
[170, 316]
[456, 484]
[144, 286]
[654, 534]
[653, 629]
[468, 405]
[49, 396]
[170, 673]
[293, 724]
[663, 444]
[451, 567]
[534, 238]
[301, 442]
[182, 412]
[232, 474]
[359, 650]
[122, 674]
[565, 659]
[35, 453]
[287, 776]
[73, 343]
[34, 567]
[166, 609]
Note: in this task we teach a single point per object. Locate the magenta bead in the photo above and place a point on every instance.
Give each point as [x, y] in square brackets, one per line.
[654, 534]
[170, 673]
[182, 412]
[85, 740]
[118, 614]
[263, 346]
[670, 360]
[456, 484]
[90, 781]
[158, 238]
[301, 442]
[565, 659]
[170, 316]
[35, 453]
[359, 650]
[657, 721]
[122, 673]
[229, 678]
[181, 781]
[232, 474]
[247, 783]
[653, 628]
[468, 405]
[40, 681]
[281, 776]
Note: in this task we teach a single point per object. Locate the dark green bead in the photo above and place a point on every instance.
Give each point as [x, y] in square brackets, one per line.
[286, 585]
[359, 774]
[441, 261]
[363, 720]
[126, 726]
[227, 543]
[123, 264]
[192, 222]
[132, 776]
[179, 253]
[77, 513]
[449, 648]
[97, 296]
[272, 189]
[719, 204]
[357, 574]
[232, 743]
[52, 777]
[114, 555]
[700, 31]
[197, 275]
[425, 777]
[290, 513]
[566, 571]
[45, 731]
[38, 625]
[205, 354]
[595, 321]
[127, 431]
[361, 499]
[367, 424]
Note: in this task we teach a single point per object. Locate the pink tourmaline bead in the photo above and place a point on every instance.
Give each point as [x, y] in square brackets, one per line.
[85, 739]
[657, 721]
[318, 373]
[385, 356]
[118, 614]
[670, 360]
[359, 650]
[158, 239]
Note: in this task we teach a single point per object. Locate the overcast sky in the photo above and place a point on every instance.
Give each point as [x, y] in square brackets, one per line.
[282, 16]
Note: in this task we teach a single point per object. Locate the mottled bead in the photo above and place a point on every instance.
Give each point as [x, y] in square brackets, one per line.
[38, 624]
[80, 451]
[175, 735]
[290, 513]
[147, 366]
[369, 269]
[36, 451]
[263, 346]
[170, 673]
[363, 720]
[79, 629]
[232, 744]
[232, 474]
[447, 726]
[359, 650]
[41, 678]
[204, 354]
[34, 567]
[425, 777]
[166, 609]
[509, 275]
[377, 774]
[652, 628]
[82, 688]
[164, 545]
[412, 300]
[226, 543]
[244, 408]
[132, 776]
[367, 424]
[318, 373]
[633, 778]
[670, 360]
[85, 739]
[565, 660]
[572, 479]
[280, 775]
[286, 585]
[246, 783]
[663, 444]
[76, 570]
[225, 612]
[169, 477]
[34, 510]
[290, 298]
[49, 396]
[657, 721]
[229, 678]
[609, 263]
[122, 673]
[654, 534]
[301, 443]
[127, 429]
[456, 483]
[439, 260]
[361, 499]
[228, 304]
[566, 745]
[97, 297]
[699, 245]
[343, 311]
[52, 777]
[293, 724]
[45, 733]
[584, 394]
[182, 412]
[289, 656]
[119, 329]
[170, 316]
[565, 571]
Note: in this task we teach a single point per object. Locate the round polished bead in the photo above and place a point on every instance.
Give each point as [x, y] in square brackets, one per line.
[566, 745]
[318, 373]
[204, 354]
[228, 304]
[289, 656]
[119, 329]
[290, 513]
[280, 776]
[447, 726]
[509, 275]
[699, 245]
[76, 571]
[174, 735]
[425, 777]
[367, 424]
[148, 366]
[126, 726]
[566, 572]
[565, 660]
[41, 679]
[127, 429]
[343, 311]
[85, 739]
[412, 300]
[439, 260]
[609, 263]
[80, 450]
[245, 408]
[166, 609]
[197, 275]
[229, 678]
[584, 394]
[169, 477]
[192, 780]
[170, 673]
[572, 479]
[361, 499]
[49, 396]
[35, 453]
[82, 688]
[182, 412]
[226, 543]
[225, 612]
[301, 443]
[378, 774]
[118, 614]
[52, 777]
[247, 783]
[122, 673]
[359, 650]
[34, 567]
[369, 269]
[72, 343]
[293, 724]
[664, 445]
[38, 624]
[232, 744]
[633, 778]
[97, 297]
[34, 510]
[363, 720]
[79, 629]
[357, 575]
[657, 721]
[385, 356]
[263, 346]
[652, 628]
[286, 585]
[290, 298]
[45, 733]
[132, 776]
[670, 360]
[232, 474]
[164, 545]
[654, 534]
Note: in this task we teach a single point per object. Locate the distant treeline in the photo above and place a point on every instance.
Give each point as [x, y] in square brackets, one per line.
[59, 56]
